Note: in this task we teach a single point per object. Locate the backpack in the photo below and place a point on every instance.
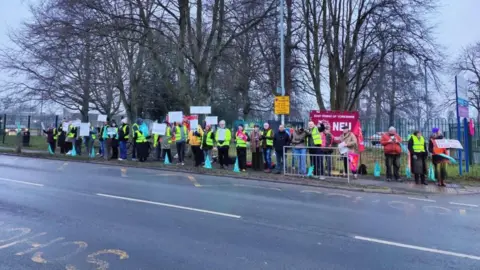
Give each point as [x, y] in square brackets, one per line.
[362, 170]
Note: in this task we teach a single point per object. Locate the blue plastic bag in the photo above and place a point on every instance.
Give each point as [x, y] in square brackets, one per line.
[408, 172]
[431, 173]
[377, 170]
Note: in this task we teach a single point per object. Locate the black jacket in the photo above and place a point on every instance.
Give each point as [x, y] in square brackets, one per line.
[280, 139]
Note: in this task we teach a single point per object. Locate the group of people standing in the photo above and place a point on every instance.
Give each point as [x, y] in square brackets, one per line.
[419, 150]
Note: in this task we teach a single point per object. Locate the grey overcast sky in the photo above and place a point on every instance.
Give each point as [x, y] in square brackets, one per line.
[457, 22]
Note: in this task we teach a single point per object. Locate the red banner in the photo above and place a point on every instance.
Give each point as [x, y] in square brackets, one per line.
[337, 120]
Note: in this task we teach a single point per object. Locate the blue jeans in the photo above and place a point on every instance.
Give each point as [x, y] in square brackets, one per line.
[300, 159]
[102, 148]
[267, 157]
[123, 149]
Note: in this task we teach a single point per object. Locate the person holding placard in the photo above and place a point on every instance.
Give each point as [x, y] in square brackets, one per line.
[241, 139]
[51, 134]
[101, 139]
[123, 136]
[107, 135]
[439, 158]
[208, 140]
[195, 141]
[141, 136]
[223, 136]
[181, 134]
[70, 141]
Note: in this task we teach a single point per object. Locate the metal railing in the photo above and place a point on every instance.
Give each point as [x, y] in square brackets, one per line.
[315, 162]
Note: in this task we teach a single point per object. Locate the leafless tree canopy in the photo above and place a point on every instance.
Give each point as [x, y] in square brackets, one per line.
[148, 57]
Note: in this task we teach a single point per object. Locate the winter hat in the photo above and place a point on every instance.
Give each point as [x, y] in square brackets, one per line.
[435, 130]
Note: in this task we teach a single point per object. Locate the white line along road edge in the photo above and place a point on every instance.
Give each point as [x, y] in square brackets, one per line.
[464, 204]
[169, 205]
[432, 250]
[420, 199]
[21, 182]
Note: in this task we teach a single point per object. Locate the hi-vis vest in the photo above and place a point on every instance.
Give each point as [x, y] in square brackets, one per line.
[317, 137]
[55, 134]
[71, 131]
[139, 135]
[438, 151]
[239, 141]
[226, 141]
[178, 133]
[94, 136]
[418, 144]
[269, 134]
[125, 131]
[208, 140]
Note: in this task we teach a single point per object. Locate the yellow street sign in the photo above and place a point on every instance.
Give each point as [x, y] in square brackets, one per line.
[282, 105]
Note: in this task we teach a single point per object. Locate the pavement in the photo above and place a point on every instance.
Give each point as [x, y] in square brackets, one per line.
[69, 215]
[364, 183]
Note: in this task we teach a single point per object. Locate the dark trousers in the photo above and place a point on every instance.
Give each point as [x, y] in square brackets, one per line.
[223, 155]
[181, 151]
[52, 145]
[392, 161]
[242, 157]
[68, 146]
[142, 151]
[257, 163]
[197, 155]
[440, 172]
[158, 151]
[168, 153]
[316, 161]
[279, 165]
[114, 149]
[419, 168]
[134, 150]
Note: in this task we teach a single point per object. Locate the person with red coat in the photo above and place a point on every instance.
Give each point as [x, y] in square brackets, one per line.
[391, 146]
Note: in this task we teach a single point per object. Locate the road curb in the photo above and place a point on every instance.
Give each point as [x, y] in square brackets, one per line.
[299, 182]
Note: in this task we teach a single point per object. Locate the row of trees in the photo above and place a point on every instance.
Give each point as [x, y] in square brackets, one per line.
[148, 57]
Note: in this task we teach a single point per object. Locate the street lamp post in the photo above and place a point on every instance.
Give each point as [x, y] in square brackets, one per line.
[426, 90]
[282, 54]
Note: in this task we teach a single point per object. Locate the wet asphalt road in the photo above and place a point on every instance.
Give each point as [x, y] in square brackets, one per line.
[58, 215]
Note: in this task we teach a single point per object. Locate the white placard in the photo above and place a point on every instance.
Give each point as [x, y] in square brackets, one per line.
[159, 129]
[221, 134]
[175, 117]
[65, 126]
[462, 88]
[194, 124]
[43, 126]
[76, 123]
[111, 131]
[211, 120]
[447, 144]
[85, 129]
[342, 148]
[102, 118]
[200, 110]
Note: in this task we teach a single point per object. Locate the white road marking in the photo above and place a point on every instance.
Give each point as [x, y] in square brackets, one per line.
[311, 191]
[339, 194]
[21, 182]
[432, 250]
[252, 186]
[420, 199]
[464, 204]
[169, 205]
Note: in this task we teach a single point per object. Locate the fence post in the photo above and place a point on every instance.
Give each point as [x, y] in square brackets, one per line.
[56, 121]
[28, 122]
[4, 127]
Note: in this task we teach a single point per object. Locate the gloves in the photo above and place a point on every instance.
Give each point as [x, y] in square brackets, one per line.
[414, 156]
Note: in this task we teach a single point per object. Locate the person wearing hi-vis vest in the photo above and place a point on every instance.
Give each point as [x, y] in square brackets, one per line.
[314, 142]
[208, 140]
[266, 139]
[418, 152]
[140, 137]
[70, 141]
[195, 140]
[223, 136]
[181, 134]
[157, 145]
[241, 139]
[123, 137]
